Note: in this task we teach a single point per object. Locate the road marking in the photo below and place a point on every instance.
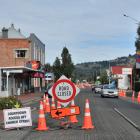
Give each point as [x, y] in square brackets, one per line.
[127, 119]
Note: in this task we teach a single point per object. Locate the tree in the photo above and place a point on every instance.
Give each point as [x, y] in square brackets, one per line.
[104, 77]
[57, 68]
[137, 42]
[47, 67]
[67, 65]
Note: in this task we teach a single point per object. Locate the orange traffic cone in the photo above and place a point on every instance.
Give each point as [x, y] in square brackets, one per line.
[133, 96]
[47, 106]
[87, 117]
[124, 93]
[44, 102]
[58, 104]
[73, 118]
[41, 119]
[53, 104]
[120, 93]
[138, 98]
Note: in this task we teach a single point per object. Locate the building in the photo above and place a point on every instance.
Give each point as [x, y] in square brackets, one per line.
[21, 61]
[123, 75]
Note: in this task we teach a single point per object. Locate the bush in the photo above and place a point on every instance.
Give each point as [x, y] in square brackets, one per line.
[9, 102]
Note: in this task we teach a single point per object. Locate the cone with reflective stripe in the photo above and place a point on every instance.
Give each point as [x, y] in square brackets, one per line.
[58, 104]
[124, 93]
[53, 104]
[138, 98]
[87, 117]
[133, 96]
[44, 102]
[73, 118]
[47, 106]
[41, 119]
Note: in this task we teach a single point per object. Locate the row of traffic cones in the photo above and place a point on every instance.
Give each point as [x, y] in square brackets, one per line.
[133, 97]
[87, 124]
[122, 93]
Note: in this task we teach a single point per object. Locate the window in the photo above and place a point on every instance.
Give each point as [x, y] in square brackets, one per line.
[21, 53]
[4, 85]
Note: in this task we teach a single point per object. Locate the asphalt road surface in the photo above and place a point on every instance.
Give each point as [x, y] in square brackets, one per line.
[109, 124]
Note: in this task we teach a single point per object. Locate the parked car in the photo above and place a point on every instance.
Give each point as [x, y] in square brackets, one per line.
[98, 89]
[109, 91]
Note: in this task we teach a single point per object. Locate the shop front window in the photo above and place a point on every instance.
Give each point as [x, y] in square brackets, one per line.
[4, 85]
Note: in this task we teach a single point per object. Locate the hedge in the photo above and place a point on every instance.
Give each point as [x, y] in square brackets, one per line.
[9, 102]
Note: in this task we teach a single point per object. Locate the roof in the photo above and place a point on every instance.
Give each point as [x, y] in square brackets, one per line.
[14, 33]
[118, 69]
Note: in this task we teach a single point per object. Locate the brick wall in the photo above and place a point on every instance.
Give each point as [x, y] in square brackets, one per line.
[7, 54]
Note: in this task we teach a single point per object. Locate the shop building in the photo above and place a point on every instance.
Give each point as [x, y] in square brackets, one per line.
[21, 62]
[123, 75]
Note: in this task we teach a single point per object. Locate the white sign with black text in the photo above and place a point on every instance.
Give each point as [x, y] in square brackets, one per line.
[17, 117]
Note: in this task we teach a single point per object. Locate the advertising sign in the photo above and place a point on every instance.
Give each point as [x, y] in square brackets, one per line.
[127, 71]
[14, 118]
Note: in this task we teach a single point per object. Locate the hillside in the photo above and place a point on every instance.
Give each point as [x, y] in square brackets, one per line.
[89, 70]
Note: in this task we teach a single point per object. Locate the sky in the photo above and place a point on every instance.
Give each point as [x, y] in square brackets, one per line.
[92, 30]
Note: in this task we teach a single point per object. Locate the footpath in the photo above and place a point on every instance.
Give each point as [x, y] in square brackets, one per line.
[26, 100]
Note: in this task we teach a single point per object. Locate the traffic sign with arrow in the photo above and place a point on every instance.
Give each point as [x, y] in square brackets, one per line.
[62, 112]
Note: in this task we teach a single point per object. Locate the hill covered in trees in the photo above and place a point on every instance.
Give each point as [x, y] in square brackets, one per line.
[90, 70]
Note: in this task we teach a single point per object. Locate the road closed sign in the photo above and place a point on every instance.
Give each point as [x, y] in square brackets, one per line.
[64, 90]
[14, 118]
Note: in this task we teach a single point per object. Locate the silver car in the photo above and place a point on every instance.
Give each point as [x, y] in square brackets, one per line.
[98, 89]
[108, 91]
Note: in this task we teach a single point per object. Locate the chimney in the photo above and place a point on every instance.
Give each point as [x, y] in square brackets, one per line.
[4, 32]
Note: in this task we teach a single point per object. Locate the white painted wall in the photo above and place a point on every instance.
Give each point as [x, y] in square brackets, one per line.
[123, 83]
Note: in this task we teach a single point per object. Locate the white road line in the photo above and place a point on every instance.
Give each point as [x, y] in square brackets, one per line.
[126, 118]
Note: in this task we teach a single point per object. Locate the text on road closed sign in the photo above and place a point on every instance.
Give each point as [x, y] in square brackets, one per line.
[64, 90]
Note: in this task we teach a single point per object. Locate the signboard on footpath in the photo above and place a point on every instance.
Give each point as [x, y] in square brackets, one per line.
[17, 117]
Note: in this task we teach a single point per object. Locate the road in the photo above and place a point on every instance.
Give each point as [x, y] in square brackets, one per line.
[109, 125]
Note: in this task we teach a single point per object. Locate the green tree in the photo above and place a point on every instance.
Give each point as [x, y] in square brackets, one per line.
[67, 65]
[48, 67]
[104, 77]
[137, 42]
[57, 68]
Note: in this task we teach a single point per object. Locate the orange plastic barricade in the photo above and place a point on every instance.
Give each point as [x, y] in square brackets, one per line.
[62, 112]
